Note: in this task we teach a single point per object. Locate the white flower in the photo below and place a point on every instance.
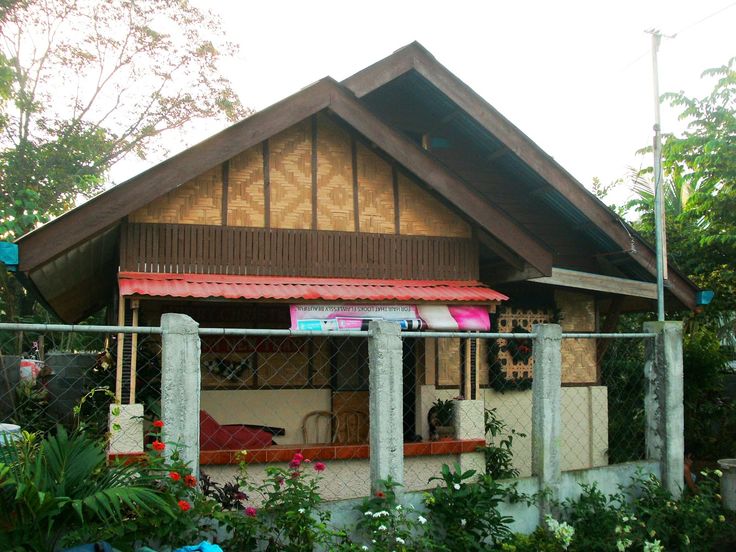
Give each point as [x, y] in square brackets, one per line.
[302, 510]
[364, 547]
[622, 545]
[381, 527]
[719, 473]
[457, 486]
[400, 540]
[463, 522]
[382, 513]
[654, 546]
[368, 513]
[422, 520]
[398, 506]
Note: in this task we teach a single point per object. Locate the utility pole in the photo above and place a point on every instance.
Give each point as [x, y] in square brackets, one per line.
[659, 225]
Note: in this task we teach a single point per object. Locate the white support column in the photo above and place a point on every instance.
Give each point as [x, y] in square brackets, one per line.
[546, 393]
[665, 422]
[386, 409]
[180, 387]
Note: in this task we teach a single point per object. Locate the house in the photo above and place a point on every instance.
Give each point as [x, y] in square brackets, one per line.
[398, 189]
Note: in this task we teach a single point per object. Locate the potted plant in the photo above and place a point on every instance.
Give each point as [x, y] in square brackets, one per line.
[441, 420]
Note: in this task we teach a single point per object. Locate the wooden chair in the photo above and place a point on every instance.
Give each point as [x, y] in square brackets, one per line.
[319, 427]
[352, 427]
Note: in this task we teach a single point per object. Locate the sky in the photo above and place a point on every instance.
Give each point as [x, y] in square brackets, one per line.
[574, 76]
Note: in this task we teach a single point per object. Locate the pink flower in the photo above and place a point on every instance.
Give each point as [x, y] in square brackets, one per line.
[319, 467]
[296, 461]
[250, 511]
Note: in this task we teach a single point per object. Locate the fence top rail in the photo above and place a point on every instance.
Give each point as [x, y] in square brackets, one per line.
[580, 335]
[78, 328]
[284, 333]
[303, 333]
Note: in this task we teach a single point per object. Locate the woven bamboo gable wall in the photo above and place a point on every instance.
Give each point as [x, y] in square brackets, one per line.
[315, 175]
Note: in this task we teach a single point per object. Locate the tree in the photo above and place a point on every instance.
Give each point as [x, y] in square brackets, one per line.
[83, 84]
[91, 82]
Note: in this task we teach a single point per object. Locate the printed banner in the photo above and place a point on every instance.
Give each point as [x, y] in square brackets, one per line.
[330, 317]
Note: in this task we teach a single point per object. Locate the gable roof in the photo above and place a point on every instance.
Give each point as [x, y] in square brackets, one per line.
[568, 193]
[42, 250]
[99, 213]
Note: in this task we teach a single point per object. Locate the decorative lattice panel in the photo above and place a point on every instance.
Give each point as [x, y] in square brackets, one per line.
[516, 366]
[448, 362]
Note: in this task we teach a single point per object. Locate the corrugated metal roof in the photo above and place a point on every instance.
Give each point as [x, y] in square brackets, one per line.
[304, 289]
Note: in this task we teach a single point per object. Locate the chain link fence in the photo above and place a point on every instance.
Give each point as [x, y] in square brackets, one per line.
[273, 393]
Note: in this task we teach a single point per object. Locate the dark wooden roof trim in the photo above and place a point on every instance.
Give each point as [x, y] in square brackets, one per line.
[38, 247]
[416, 57]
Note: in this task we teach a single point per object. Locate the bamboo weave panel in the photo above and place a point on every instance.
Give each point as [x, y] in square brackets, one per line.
[375, 193]
[335, 209]
[579, 363]
[448, 361]
[422, 215]
[198, 201]
[245, 197]
[290, 176]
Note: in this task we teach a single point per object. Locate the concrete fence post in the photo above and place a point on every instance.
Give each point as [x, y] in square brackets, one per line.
[180, 387]
[386, 410]
[663, 402]
[546, 392]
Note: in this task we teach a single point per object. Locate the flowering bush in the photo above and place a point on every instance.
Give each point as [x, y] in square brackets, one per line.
[288, 517]
[465, 512]
[386, 525]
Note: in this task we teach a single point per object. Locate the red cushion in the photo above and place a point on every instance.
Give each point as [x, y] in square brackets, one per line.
[213, 436]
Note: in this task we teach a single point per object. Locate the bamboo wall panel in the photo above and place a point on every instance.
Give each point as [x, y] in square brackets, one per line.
[509, 318]
[262, 251]
[198, 201]
[335, 209]
[291, 177]
[422, 215]
[245, 197]
[448, 361]
[577, 311]
[375, 193]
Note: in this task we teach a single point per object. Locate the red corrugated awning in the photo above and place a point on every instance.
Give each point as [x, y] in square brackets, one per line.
[304, 289]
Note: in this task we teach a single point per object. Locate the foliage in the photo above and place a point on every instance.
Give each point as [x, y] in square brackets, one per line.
[710, 417]
[499, 457]
[464, 513]
[443, 412]
[388, 526]
[84, 84]
[289, 518]
[60, 490]
[650, 519]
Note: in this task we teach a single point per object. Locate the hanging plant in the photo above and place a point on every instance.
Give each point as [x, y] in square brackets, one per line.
[229, 370]
[521, 351]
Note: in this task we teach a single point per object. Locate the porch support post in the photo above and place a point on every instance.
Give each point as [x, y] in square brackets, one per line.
[180, 387]
[663, 403]
[386, 408]
[546, 391]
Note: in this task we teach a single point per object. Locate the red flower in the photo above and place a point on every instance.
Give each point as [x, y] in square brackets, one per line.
[184, 506]
[280, 481]
[190, 481]
[319, 466]
[174, 476]
[297, 460]
[158, 445]
[250, 511]
[158, 423]
[380, 494]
